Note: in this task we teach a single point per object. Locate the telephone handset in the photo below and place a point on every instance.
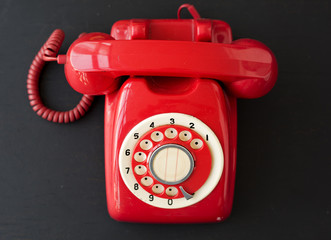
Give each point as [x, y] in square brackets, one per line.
[245, 67]
[170, 125]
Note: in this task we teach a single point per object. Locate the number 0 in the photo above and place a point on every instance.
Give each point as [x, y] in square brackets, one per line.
[170, 202]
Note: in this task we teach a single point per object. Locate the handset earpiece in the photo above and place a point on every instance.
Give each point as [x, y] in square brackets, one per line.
[92, 82]
[255, 87]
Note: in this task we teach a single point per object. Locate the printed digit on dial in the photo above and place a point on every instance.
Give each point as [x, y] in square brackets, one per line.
[171, 156]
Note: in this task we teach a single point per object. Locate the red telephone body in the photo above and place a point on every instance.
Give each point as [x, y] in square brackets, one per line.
[170, 126]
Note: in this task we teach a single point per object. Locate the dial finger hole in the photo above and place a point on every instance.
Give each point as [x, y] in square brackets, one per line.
[146, 144]
[139, 156]
[157, 136]
[185, 136]
[171, 191]
[140, 169]
[146, 181]
[171, 133]
[158, 189]
[196, 143]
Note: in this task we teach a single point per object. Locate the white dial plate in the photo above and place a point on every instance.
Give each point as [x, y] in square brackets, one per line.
[130, 141]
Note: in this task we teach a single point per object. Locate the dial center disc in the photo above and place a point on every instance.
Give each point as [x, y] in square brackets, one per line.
[171, 164]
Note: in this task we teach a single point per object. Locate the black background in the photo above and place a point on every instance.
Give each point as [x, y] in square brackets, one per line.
[52, 175]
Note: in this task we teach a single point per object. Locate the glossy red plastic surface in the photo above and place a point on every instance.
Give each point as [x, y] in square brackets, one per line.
[201, 30]
[201, 98]
[245, 67]
[92, 83]
[150, 67]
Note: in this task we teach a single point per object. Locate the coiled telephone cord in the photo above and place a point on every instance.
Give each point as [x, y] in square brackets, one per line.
[48, 53]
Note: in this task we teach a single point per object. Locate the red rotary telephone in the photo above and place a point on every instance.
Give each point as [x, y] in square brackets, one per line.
[170, 112]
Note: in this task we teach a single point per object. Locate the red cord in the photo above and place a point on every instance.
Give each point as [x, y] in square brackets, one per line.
[194, 13]
[47, 53]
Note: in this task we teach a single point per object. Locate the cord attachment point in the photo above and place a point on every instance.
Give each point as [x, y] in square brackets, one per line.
[61, 59]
